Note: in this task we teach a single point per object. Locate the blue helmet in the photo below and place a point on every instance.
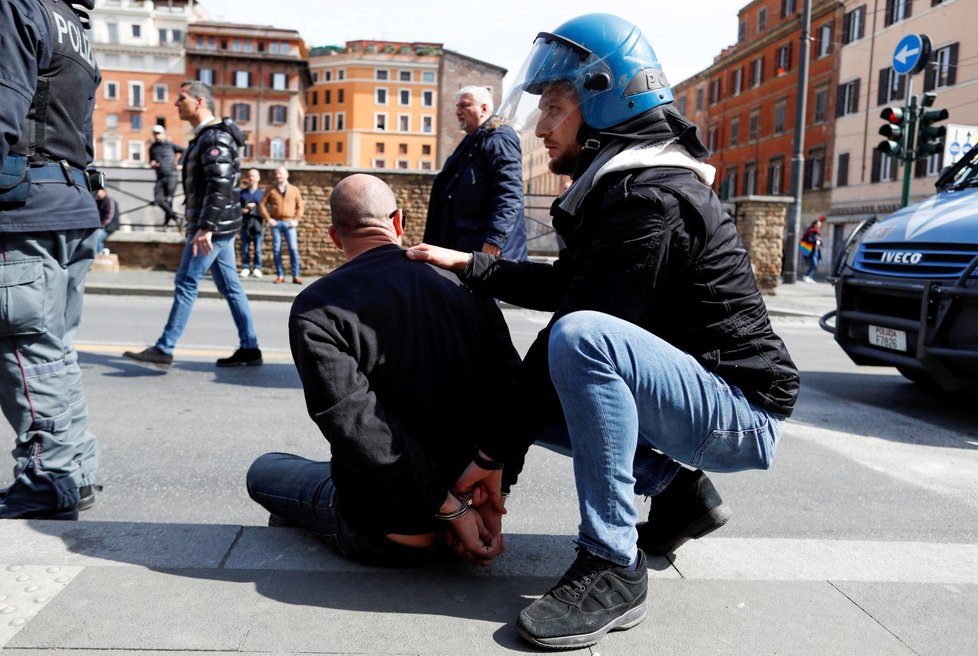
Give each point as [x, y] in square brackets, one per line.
[608, 61]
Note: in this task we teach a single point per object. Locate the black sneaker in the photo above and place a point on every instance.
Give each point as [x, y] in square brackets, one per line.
[594, 597]
[152, 356]
[86, 496]
[243, 357]
[689, 508]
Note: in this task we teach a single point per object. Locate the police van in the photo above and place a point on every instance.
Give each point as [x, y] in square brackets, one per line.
[906, 286]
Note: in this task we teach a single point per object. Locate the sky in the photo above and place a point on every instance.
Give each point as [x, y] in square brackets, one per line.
[685, 34]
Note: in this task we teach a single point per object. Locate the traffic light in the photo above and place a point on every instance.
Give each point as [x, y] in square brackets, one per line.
[894, 130]
[930, 137]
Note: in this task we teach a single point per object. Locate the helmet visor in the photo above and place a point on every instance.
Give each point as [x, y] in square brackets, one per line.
[552, 59]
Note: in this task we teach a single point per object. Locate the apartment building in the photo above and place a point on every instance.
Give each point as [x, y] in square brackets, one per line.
[259, 75]
[745, 103]
[867, 182]
[139, 46]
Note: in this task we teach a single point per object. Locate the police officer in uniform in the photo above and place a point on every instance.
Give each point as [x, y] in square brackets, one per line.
[48, 233]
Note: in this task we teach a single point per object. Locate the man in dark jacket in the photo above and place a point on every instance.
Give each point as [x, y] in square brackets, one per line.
[395, 359]
[48, 226]
[660, 350]
[211, 181]
[476, 201]
[163, 159]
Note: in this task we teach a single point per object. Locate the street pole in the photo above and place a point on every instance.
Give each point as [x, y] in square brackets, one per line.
[909, 145]
[789, 274]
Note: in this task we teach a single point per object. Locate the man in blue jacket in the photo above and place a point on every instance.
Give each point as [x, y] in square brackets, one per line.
[476, 201]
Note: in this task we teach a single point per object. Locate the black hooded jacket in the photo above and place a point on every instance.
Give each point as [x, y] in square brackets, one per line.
[212, 179]
[653, 246]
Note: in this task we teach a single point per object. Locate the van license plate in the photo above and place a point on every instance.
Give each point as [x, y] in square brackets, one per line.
[888, 338]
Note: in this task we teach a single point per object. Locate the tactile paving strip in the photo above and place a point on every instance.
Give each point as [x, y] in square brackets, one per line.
[25, 590]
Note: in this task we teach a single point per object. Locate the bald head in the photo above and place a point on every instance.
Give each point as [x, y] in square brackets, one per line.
[361, 201]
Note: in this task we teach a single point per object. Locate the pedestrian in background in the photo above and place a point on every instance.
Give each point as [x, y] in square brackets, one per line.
[811, 248]
[48, 233]
[211, 181]
[476, 201]
[163, 159]
[252, 226]
[282, 208]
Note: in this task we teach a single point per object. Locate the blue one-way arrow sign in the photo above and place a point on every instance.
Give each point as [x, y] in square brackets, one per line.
[911, 54]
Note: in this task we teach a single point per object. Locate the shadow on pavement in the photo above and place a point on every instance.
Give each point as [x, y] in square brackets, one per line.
[270, 375]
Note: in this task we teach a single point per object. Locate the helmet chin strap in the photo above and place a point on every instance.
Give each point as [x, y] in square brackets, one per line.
[589, 138]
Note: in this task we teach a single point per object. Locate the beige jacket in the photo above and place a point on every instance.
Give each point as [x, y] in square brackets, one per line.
[281, 207]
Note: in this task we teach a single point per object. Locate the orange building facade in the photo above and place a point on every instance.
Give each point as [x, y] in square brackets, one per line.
[373, 105]
[745, 104]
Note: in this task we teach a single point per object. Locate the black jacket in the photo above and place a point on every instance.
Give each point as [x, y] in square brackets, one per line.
[405, 371]
[212, 177]
[165, 154]
[652, 246]
[477, 197]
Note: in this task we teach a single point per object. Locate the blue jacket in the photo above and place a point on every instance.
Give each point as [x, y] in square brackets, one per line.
[478, 196]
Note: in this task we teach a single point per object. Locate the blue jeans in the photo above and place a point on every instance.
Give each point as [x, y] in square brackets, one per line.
[289, 229]
[636, 407]
[42, 280]
[247, 241]
[224, 270]
[302, 492]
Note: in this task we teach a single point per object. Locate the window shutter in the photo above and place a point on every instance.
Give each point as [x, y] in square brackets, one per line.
[952, 74]
[930, 73]
[874, 175]
[288, 147]
[883, 93]
[908, 8]
[845, 29]
[902, 87]
[862, 21]
[888, 17]
[855, 95]
[920, 168]
[843, 172]
[840, 101]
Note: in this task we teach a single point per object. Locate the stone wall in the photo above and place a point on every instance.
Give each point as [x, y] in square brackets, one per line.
[318, 255]
[761, 223]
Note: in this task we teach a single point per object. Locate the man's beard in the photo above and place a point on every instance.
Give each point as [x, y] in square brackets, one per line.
[564, 164]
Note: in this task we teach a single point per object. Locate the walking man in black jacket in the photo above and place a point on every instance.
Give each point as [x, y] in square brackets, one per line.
[397, 362]
[211, 181]
[163, 159]
[660, 351]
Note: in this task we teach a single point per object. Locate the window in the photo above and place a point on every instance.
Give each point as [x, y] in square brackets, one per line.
[699, 99]
[380, 74]
[734, 131]
[750, 179]
[896, 11]
[136, 121]
[325, 147]
[339, 146]
[340, 121]
[403, 122]
[757, 72]
[815, 169]
[404, 97]
[205, 75]
[279, 81]
[402, 164]
[113, 30]
[712, 138]
[782, 61]
[425, 165]
[277, 114]
[788, 8]
[404, 76]
[821, 105]
[847, 101]
[714, 91]
[312, 123]
[842, 176]
[111, 90]
[327, 122]
[242, 79]
[273, 47]
[934, 164]
[160, 93]
[741, 31]
[854, 25]
[379, 147]
[681, 105]
[428, 124]
[883, 167]
[110, 150]
[278, 149]
[823, 44]
[137, 31]
[136, 94]
[135, 151]
[247, 151]
[379, 163]
[380, 96]
[427, 98]
[341, 75]
[775, 176]
[236, 45]
[754, 125]
[241, 112]
[737, 81]
[892, 86]
[315, 98]
[340, 93]
[380, 121]
[943, 69]
[428, 77]
[402, 149]
[426, 149]
[328, 97]
[313, 147]
[111, 121]
[728, 188]
[762, 19]
[780, 112]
